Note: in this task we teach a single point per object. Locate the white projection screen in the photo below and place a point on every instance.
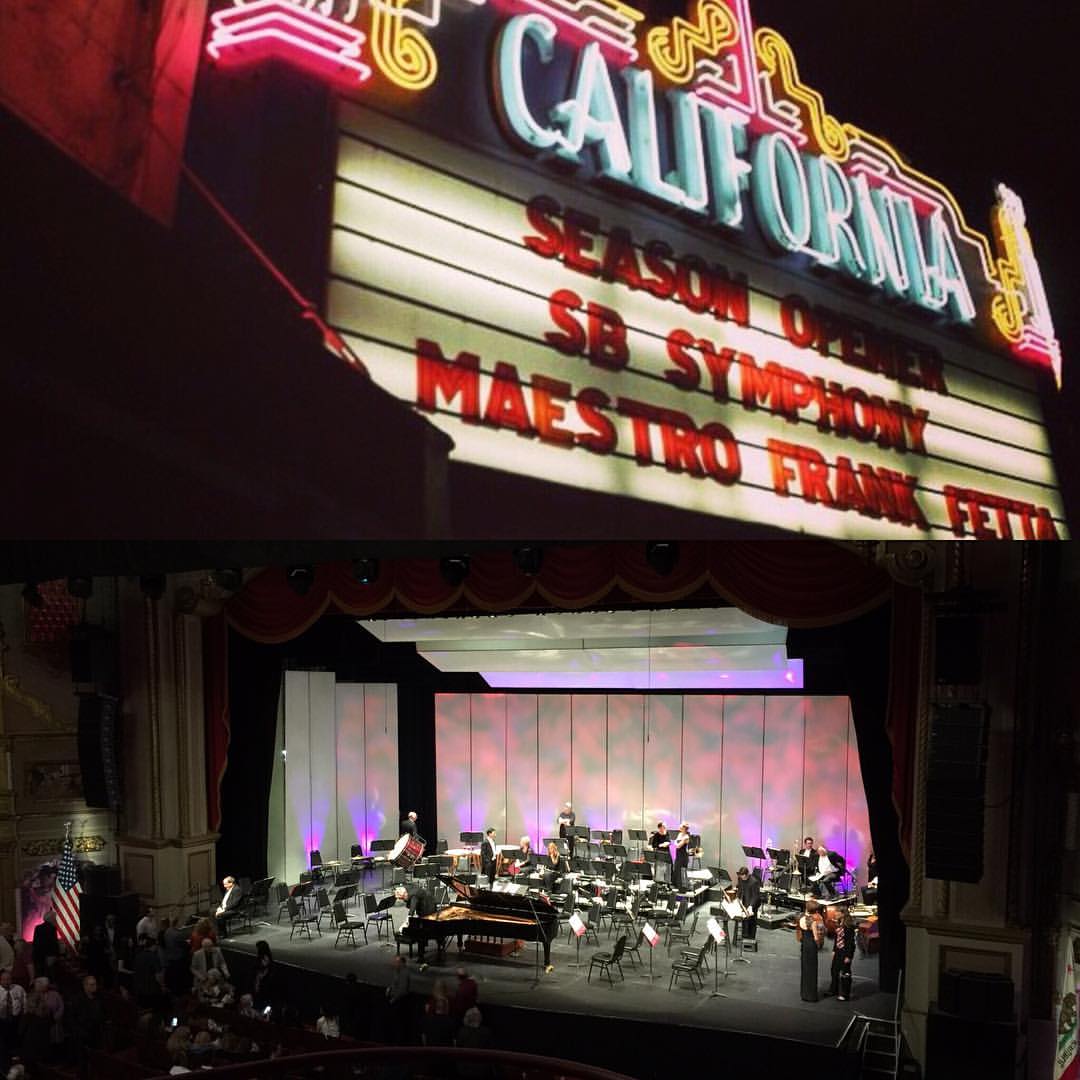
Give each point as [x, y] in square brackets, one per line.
[742, 769]
[335, 779]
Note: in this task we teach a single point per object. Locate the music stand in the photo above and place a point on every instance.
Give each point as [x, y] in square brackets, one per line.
[468, 838]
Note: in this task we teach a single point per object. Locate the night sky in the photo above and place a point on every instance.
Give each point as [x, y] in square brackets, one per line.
[973, 93]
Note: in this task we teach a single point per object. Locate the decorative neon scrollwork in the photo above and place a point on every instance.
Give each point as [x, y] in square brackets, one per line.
[401, 52]
[675, 49]
[824, 131]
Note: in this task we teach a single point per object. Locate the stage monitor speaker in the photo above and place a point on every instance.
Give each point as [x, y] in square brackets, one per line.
[976, 995]
[956, 791]
[958, 1046]
[99, 750]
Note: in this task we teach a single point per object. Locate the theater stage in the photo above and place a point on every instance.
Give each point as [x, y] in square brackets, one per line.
[759, 1019]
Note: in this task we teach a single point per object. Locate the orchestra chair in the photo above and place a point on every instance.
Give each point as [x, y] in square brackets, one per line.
[346, 927]
[322, 906]
[680, 935]
[691, 968]
[710, 948]
[315, 864]
[586, 917]
[608, 960]
[633, 952]
[625, 917]
[281, 898]
[358, 858]
[666, 915]
[609, 908]
[300, 922]
[260, 895]
[346, 894]
[381, 916]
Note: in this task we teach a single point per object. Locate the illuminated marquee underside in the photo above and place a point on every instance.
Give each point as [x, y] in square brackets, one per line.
[748, 131]
[555, 331]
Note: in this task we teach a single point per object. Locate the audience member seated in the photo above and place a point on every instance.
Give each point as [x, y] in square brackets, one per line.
[473, 1035]
[328, 1024]
[204, 928]
[214, 990]
[263, 987]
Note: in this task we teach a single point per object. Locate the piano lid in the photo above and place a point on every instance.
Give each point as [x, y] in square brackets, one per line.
[464, 890]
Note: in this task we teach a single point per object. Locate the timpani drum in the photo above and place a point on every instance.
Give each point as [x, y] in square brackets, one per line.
[407, 851]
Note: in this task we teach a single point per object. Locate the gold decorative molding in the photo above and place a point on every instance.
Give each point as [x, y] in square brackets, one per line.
[1004, 935]
[81, 844]
[38, 709]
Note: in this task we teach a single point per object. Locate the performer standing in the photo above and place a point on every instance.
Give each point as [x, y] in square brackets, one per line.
[487, 855]
[408, 825]
[810, 932]
[565, 820]
[682, 856]
[661, 841]
[748, 889]
[843, 953]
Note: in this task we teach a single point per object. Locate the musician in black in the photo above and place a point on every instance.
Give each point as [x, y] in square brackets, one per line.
[487, 855]
[553, 861]
[408, 824]
[524, 858]
[806, 861]
[748, 890]
[843, 954]
[565, 820]
[661, 841]
[682, 856]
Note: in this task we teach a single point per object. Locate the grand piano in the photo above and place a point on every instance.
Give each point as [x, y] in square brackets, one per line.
[483, 913]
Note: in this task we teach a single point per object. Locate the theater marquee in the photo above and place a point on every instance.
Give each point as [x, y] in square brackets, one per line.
[647, 261]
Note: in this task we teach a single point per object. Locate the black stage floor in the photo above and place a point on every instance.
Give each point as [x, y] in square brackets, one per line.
[760, 1003]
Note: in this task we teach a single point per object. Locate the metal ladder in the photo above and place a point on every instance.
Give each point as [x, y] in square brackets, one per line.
[878, 1042]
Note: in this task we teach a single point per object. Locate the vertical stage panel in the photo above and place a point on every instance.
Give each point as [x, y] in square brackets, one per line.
[553, 761]
[588, 738]
[825, 770]
[702, 765]
[782, 795]
[352, 828]
[625, 762]
[488, 763]
[297, 772]
[381, 763]
[323, 748]
[522, 801]
[663, 761]
[453, 798]
[744, 729]
[276, 809]
[857, 843]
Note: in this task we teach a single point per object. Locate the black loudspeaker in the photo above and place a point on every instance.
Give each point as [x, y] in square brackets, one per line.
[92, 655]
[99, 750]
[956, 791]
[93, 908]
[98, 880]
[958, 650]
[957, 1046]
[976, 995]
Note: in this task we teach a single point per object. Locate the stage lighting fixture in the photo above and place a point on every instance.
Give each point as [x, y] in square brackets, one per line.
[81, 587]
[662, 555]
[529, 560]
[454, 568]
[152, 586]
[300, 579]
[365, 570]
[228, 579]
[32, 595]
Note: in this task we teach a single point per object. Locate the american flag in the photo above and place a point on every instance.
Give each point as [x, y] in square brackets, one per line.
[65, 896]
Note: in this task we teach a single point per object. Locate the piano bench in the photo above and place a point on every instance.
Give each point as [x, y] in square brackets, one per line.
[399, 941]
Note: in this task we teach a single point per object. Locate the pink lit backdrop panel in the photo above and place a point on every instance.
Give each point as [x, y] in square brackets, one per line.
[857, 842]
[522, 815]
[554, 759]
[663, 760]
[381, 763]
[625, 762]
[297, 724]
[488, 763]
[323, 831]
[589, 776]
[744, 730]
[782, 790]
[825, 770]
[453, 768]
[702, 767]
[349, 756]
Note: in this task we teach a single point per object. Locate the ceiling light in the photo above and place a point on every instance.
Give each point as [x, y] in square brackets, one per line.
[300, 579]
[365, 570]
[662, 555]
[454, 568]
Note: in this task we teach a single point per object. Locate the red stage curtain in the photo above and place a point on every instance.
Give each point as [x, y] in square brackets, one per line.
[797, 583]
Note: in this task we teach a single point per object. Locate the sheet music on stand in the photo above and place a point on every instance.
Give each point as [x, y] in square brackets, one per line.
[716, 931]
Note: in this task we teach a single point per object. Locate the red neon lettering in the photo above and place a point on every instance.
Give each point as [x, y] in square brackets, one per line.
[540, 212]
[602, 438]
[686, 374]
[578, 240]
[658, 256]
[620, 259]
[436, 375]
[549, 396]
[730, 470]
[506, 403]
[561, 306]
[607, 338]
[797, 321]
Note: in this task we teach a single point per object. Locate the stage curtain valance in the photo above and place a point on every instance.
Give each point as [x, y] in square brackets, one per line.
[796, 583]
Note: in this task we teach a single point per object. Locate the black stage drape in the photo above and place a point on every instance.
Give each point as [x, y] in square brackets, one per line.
[852, 658]
[334, 643]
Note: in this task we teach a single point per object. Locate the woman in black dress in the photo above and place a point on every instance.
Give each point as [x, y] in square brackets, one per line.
[811, 934]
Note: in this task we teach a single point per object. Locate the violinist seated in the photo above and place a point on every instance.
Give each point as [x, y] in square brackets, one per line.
[523, 861]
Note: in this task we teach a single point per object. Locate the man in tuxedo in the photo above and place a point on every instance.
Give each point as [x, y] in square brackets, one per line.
[830, 867]
[487, 855]
[230, 900]
[661, 841]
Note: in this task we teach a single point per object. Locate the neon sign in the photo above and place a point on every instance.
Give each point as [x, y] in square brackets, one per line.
[744, 135]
